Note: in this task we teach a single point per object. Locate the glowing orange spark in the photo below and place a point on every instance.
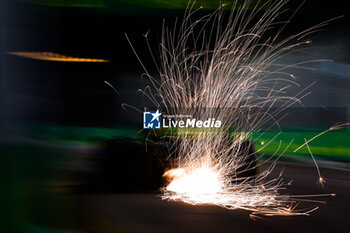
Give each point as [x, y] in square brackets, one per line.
[49, 56]
[317, 30]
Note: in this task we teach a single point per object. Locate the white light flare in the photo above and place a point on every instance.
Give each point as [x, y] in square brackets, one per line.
[200, 184]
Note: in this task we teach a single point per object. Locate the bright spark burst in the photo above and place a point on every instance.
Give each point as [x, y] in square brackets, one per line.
[204, 185]
[221, 62]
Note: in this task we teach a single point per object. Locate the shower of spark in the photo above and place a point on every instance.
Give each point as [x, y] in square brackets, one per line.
[218, 62]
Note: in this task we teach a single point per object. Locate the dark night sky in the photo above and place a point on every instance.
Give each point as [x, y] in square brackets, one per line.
[75, 93]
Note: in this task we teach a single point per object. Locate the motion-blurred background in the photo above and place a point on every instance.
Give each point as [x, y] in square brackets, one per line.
[72, 160]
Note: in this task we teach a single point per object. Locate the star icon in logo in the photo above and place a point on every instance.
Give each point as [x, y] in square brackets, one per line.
[156, 115]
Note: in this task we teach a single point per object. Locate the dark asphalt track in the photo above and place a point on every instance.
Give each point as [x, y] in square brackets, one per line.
[147, 213]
